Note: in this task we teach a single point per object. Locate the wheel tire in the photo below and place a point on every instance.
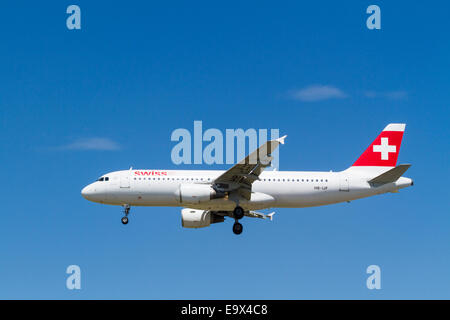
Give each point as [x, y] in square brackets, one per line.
[237, 228]
[238, 213]
[124, 220]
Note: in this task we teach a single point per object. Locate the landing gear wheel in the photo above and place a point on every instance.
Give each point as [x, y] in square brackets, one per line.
[126, 211]
[238, 213]
[237, 228]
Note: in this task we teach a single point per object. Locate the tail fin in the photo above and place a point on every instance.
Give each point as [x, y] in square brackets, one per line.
[383, 152]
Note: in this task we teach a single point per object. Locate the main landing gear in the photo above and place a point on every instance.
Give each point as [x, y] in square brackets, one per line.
[126, 210]
[238, 213]
[237, 228]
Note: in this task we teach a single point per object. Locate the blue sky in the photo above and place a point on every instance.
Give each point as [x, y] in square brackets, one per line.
[77, 104]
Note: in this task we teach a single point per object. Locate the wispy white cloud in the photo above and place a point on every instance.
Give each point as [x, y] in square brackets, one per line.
[392, 95]
[317, 93]
[95, 144]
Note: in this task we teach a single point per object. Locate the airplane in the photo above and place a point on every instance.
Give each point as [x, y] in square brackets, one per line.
[209, 196]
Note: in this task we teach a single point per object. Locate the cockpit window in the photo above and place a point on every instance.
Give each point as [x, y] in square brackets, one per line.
[101, 179]
[106, 178]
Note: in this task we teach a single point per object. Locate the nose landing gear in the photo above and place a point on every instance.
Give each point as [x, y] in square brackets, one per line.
[126, 210]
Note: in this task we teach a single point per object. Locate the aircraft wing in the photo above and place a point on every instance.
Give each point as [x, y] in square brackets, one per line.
[241, 176]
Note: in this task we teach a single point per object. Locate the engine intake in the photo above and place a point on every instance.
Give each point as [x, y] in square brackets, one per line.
[193, 218]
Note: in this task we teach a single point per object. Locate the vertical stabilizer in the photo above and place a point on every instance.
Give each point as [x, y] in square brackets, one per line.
[383, 152]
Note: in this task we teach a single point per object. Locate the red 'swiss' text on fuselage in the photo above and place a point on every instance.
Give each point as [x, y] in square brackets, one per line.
[150, 173]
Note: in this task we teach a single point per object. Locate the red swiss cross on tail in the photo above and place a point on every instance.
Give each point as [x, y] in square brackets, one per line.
[383, 152]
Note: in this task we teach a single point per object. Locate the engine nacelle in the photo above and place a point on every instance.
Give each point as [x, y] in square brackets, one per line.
[196, 193]
[193, 218]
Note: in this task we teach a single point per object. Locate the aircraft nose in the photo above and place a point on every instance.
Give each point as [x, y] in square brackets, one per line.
[86, 192]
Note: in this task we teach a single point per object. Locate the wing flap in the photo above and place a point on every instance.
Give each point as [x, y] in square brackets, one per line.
[256, 214]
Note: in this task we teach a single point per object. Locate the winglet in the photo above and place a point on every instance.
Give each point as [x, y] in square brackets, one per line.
[281, 140]
[270, 216]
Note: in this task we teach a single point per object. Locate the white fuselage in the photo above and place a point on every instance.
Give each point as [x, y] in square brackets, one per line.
[284, 189]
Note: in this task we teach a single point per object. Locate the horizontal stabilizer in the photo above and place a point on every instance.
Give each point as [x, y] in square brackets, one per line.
[391, 175]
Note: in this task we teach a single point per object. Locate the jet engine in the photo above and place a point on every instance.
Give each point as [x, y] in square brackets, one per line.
[193, 218]
[196, 193]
